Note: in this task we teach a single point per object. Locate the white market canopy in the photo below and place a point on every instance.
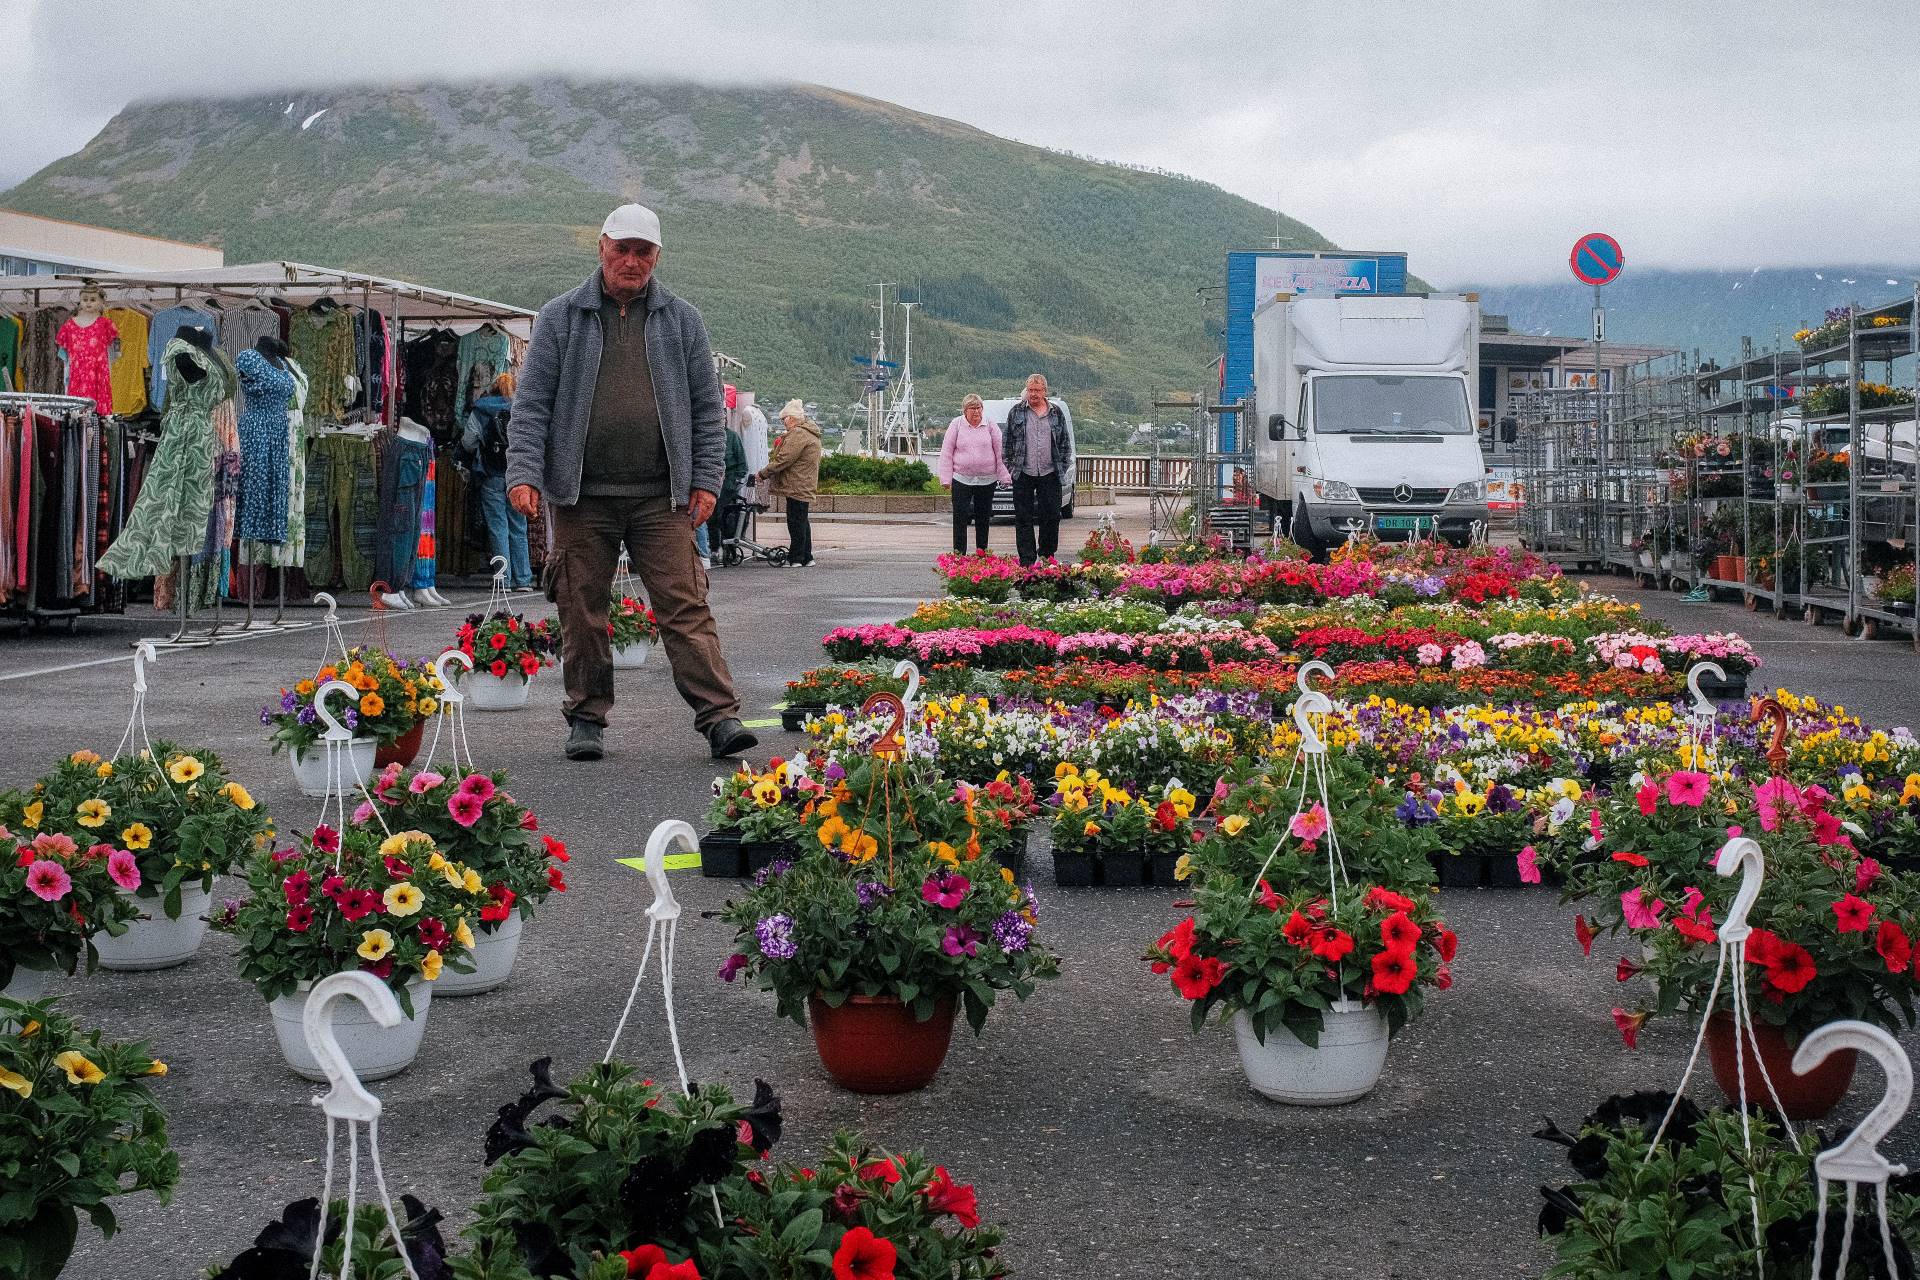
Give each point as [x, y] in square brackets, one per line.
[295, 283]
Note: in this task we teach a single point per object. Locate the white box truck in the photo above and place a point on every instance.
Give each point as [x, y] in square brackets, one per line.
[1363, 417]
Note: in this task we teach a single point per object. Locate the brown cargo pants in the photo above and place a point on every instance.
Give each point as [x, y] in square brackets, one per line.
[579, 579]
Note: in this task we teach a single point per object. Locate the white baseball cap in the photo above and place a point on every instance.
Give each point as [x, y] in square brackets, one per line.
[632, 222]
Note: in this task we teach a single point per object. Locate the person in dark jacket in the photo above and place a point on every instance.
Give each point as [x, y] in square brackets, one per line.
[483, 451]
[616, 427]
[1039, 454]
[727, 523]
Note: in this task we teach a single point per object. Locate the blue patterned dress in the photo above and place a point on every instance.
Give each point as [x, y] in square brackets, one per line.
[263, 447]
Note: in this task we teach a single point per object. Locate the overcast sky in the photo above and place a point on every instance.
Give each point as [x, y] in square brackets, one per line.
[1481, 137]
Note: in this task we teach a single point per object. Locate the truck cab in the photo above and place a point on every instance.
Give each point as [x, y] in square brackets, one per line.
[1363, 417]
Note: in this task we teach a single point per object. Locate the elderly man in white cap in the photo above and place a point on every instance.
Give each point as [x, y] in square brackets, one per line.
[618, 427]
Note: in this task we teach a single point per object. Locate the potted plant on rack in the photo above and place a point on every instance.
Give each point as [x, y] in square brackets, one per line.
[473, 822]
[180, 819]
[633, 630]
[387, 717]
[884, 926]
[508, 652]
[54, 895]
[396, 908]
[1895, 589]
[78, 1126]
[1315, 971]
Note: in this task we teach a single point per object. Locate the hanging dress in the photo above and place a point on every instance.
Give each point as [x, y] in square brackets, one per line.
[89, 349]
[291, 551]
[263, 447]
[169, 518]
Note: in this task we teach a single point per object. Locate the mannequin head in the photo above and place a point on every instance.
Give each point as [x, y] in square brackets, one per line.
[272, 348]
[198, 336]
[93, 303]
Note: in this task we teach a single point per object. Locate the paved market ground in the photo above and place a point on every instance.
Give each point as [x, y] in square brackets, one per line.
[1108, 1140]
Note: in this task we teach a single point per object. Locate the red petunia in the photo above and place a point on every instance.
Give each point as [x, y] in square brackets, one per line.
[497, 640]
[687, 1270]
[944, 1195]
[1296, 930]
[1853, 914]
[1762, 946]
[1394, 971]
[1697, 930]
[1194, 976]
[887, 1171]
[382, 969]
[1791, 968]
[1624, 970]
[357, 904]
[1630, 858]
[1442, 978]
[557, 850]
[529, 664]
[1895, 948]
[1446, 942]
[1332, 945]
[644, 1259]
[300, 917]
[1398, 932]
[1586, 933]
[1629, 1026]
[557, 880]
[498, 667]
[864, 1256]
[1269, 899]
[1380, 898]
[1646, 797]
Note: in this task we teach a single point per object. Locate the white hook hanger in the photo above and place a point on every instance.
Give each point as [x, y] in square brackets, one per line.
[1307, 671]
[335, 636]
[1742, 855]
[1305, 707]
[336, 732]
[1701, 705]
[347, 1101]
[1856, 1159]
[143, 653]
[910, 670]
[337, 744]
[135, 735]
[664, 911]
[451, 710]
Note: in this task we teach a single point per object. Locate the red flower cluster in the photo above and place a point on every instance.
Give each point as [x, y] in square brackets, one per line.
[1789, 965]
[502, 905]
[649, 1262]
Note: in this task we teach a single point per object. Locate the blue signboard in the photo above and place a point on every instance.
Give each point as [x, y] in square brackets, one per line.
[1254, 276]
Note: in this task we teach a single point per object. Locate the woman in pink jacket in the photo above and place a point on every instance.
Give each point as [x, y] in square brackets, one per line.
[970, 461]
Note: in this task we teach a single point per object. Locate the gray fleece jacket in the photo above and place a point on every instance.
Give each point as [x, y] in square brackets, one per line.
[547, 434]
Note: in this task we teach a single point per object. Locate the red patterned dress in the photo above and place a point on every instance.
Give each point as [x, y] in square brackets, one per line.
[89, 367]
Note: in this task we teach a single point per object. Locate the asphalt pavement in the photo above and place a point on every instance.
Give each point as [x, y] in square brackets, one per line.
[1106, 1139]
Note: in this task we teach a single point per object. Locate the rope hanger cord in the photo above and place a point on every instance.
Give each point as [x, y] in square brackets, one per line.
[452, 710]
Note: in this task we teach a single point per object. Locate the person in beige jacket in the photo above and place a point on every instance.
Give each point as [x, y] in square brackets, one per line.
[793, 473]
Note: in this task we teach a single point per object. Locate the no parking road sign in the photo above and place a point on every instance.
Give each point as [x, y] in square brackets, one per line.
[1596, 259]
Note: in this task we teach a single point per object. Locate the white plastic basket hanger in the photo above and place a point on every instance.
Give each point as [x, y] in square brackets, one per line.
[336, 639]
[452, 711]
[1856, 1160]
[1703, 718]
[336, 745]
[497, 595]
[347, 1103]
[135, 738]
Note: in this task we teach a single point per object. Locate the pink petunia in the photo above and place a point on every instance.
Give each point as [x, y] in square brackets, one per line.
[363, 814]
[424, 781]
[1593, 825]
[1687, 787]
[48, 881]
[326, 839]
[948, 890]
[1309, 825]
[1628, 1025]
[466, 807]
[51, 844]
[1868, 872]
[478, 785]
[1529, 863]
[124, 868]
[1639, 912]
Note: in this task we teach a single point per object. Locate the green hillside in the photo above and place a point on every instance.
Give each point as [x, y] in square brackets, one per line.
[782, 208]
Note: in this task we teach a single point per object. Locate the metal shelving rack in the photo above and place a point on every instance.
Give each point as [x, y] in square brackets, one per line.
[1656, 408]
[1560, 456]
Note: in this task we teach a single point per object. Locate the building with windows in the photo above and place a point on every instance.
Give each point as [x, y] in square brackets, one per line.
[34, 246]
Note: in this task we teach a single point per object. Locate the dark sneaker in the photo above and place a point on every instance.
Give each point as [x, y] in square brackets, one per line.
[583, 741]
[730, 738]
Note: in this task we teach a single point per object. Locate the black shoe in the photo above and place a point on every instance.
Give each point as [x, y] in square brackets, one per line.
[730, 738]
[583, 740]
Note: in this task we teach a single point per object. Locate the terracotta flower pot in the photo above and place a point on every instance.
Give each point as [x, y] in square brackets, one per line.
[401, 750]
[871, 1044]
[1807, 1097]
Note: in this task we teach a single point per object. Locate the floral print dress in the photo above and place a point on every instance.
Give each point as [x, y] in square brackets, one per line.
[169, 518]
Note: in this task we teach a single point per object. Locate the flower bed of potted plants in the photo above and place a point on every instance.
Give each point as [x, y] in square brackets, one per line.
[1315, 970]
[507, 652]
[475, 823]
[182, 821]
[396, 908]
[79, 1126]
[883, 925]
[633, 630]
[755, 818]
[387, 719]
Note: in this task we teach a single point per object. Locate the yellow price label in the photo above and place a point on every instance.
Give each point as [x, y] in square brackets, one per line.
[673, 862]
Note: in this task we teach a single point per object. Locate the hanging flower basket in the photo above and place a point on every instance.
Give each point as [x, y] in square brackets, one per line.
[1344, 1067]
[872, 1044]
[401, 750]
[310, 766]
[153, 941]
[31, 984]
[376, 1052]
[1804, 1097]
[488, 692]
[493, 957]
[628, 656]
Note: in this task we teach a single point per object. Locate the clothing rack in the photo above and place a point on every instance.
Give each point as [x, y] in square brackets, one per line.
[25, 605]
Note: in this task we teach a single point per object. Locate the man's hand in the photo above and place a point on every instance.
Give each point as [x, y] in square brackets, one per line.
[700, 507]
[525, 499]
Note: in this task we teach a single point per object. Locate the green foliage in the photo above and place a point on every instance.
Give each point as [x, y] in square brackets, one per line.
[78, 1126]
[840, 472]
[780, 203]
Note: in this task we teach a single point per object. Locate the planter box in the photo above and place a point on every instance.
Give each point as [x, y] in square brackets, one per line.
[761, 854]
[1503, 872]
[1014, 856]
[720, 856]
[1162, 869]
[794, 719]
[1123, 869]
[1460, 870]
[1072, 871]
[1730, 689]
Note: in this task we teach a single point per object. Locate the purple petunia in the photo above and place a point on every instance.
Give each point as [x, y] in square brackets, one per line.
[960, 941]
[1011, 932]
[775, 936]
[288, 701]
[731, 969]
[266, 716]
[778, 867]
[870, 892]
[308, 715]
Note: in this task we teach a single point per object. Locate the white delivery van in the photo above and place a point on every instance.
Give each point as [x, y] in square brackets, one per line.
[996, 412]
[1363, 417]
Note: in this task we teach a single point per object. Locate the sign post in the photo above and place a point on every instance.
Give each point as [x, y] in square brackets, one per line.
[1596, 260]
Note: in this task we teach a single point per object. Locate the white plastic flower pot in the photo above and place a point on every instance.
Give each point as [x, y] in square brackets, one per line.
[488, 692]
[1345, 1067]
[493, 957]
[152, 941]
[31, 984]
[376, 1052]
[310, 766]
[629, 656]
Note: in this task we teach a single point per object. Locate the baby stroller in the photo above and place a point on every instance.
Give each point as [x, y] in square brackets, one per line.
[739, 525]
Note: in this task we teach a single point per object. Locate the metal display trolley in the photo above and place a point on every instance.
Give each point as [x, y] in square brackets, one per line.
[1561, 477]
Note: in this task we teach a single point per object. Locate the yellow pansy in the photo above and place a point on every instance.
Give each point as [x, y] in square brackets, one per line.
[831, 830]
[374, 944]
[462, 934]
[31, 814]
[79, 1069]
[1233, 824]
[137, 836]
[1912, 791]
[402, 899]
[237, 795]
[1006, 873]
[1091, 829]
[15, 1081]
[428, 706]
[430, 965]
[156, 1068]
[1183, 866]
[860, 846]
[1065, 769]
[766, 792]
[185, 769]
[94, 813]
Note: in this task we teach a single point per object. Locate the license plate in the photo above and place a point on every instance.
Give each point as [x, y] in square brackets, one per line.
[1400, 522]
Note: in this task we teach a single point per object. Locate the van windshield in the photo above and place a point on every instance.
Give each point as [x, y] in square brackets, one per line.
[1371, 404]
